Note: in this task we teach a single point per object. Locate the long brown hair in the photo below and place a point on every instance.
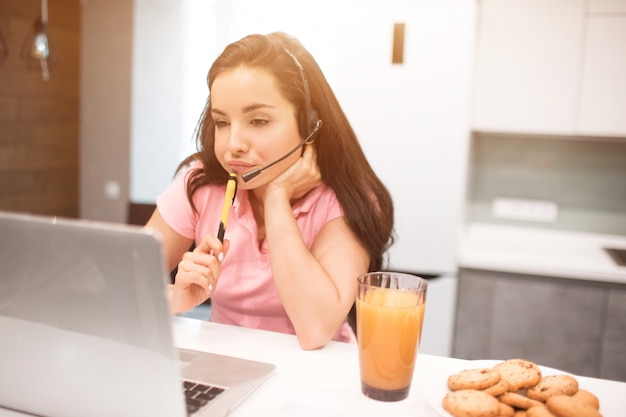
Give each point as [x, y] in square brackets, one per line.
[366, 202]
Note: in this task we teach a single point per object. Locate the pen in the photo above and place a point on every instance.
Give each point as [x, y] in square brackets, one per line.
[229, 200]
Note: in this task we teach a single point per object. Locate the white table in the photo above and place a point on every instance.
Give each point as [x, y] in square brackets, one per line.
[326, 382]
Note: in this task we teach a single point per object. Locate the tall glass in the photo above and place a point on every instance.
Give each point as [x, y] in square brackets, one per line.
[390, 312]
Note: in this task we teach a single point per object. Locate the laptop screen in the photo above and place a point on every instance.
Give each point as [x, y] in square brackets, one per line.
[84, 320]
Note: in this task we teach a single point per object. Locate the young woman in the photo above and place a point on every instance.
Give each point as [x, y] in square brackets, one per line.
[302, 230]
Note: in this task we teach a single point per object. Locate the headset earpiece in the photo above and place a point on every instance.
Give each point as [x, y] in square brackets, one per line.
[308, 118]
[307, 122]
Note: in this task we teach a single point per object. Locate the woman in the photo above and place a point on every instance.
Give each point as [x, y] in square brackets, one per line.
[302, 230]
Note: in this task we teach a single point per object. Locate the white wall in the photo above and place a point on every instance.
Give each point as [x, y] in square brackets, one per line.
[157, 98]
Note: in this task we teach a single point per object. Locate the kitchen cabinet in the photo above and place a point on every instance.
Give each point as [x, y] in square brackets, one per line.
[551, 67]
[573, 325]
[527, 65]
[613, 365]
[603, 87]
[607, 6]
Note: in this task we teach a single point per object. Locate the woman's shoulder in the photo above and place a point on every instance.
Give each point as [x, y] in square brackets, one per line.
[322, 197]
[202, 192]
[194, 166]
[320, 193]
[326, 193]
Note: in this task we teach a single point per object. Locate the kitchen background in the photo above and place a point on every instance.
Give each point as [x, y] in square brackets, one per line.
[504, 113]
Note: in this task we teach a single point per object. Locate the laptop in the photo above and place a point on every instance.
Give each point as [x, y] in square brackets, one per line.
[85, 327]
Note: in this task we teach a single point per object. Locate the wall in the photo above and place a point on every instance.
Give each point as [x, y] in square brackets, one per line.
[106, 53]
[156, 94]
[584, 177]
[39, 119]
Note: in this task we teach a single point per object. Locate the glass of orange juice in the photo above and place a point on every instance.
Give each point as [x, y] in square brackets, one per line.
[390, 312]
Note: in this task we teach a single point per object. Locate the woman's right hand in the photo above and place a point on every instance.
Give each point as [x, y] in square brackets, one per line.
[300, 178]
[198, 274]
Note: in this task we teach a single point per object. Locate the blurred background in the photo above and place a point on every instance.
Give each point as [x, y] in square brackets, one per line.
[498, 125]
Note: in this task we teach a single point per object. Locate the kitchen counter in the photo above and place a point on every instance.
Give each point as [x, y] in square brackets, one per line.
[539, 251]
[325, 382]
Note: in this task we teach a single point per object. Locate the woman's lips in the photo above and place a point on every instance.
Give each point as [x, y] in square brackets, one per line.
[240, 168]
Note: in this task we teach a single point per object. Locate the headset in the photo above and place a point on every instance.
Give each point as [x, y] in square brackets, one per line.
[309, 119]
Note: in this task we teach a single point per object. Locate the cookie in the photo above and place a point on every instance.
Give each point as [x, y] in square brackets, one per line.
[506, 410]
[539, 411]
[471, 403]
[498, 388]
[477, 379]
[552, 385]
[520, 413]
[519, 373]
[518, 400]
[566, 406]
[587, 398]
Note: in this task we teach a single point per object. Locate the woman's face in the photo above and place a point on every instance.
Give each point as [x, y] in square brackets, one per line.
[254, 124]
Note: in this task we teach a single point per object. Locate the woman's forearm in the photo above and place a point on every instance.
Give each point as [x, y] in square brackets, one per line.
[311, 298]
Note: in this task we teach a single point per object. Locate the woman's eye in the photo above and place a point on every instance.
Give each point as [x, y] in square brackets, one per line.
[258, 122]
[220, 123]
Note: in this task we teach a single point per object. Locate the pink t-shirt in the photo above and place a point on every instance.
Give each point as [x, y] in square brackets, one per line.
[246, 294]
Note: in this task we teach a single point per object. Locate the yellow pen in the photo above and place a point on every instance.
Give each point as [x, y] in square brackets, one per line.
[229, 200]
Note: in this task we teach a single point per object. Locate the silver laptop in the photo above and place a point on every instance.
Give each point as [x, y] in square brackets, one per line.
[85, 328]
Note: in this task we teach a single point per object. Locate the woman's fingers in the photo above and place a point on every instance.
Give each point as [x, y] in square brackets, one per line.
[199, 268]
[210, 245]
[198, 272]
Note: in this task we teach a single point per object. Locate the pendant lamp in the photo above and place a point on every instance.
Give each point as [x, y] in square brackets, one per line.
[36, 50]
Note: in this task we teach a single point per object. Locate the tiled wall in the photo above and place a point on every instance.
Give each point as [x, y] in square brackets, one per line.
[39, 120]
[585, 177]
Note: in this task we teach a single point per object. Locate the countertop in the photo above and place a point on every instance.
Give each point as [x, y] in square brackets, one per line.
[325, 382]
[540, 251]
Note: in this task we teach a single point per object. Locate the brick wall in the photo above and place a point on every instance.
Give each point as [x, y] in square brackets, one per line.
[39, 120]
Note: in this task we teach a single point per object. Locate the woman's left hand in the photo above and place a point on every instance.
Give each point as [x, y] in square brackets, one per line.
[301, 177]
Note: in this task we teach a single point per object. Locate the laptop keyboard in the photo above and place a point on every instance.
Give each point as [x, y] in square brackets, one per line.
[198, 395]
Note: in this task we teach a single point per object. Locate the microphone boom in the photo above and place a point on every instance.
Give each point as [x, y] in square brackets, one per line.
[252, 174]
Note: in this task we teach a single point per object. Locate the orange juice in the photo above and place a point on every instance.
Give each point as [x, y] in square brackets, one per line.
[389, 324]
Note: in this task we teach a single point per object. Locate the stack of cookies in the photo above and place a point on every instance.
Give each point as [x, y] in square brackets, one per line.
[516, 388]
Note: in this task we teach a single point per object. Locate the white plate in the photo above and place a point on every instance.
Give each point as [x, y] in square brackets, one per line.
[438, 387]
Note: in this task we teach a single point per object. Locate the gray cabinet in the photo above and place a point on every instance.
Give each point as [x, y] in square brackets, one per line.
[613, 359]
[576, 326]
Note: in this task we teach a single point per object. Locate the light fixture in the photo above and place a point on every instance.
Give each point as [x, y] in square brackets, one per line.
[36, 50]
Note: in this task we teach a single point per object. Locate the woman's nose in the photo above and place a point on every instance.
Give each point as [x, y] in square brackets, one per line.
[237, 142]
